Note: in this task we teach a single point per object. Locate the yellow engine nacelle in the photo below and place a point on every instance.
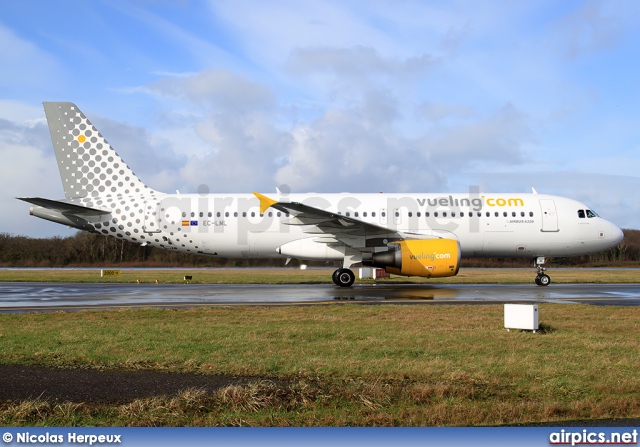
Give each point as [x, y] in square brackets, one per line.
[433, 258]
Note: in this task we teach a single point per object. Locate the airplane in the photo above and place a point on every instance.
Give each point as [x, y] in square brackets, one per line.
[419, 234]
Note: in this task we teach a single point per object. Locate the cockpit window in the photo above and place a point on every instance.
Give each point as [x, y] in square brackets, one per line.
[591, 214]
[581, 214]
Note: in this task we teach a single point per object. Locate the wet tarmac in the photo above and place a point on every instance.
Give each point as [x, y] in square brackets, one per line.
[30, 297]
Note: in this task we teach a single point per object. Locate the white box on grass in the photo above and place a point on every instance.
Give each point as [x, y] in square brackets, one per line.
[521, 316]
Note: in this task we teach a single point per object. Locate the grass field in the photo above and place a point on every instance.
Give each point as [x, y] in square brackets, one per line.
[316, 276]
[341, 365]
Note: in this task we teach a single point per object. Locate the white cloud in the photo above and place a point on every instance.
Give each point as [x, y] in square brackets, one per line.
[20, 112]
[356, 62]
[590, 29]
[242, 153]
[439, 112]
[219, 90]
[233, 118]
[362, 154]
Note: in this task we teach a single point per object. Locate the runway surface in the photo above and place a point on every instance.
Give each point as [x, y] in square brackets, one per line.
[30, 297]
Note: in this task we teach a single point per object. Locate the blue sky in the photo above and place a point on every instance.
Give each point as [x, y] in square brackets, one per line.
[330, 96]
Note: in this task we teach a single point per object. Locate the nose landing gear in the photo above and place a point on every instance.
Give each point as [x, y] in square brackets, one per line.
[542, 279]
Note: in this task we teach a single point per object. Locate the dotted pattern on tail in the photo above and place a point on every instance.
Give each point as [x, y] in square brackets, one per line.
[95, 175]
[89, 166]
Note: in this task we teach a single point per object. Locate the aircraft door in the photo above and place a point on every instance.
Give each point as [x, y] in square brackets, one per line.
[150, 224]
[549, 215]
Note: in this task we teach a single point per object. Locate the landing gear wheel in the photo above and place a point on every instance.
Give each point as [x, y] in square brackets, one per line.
[334, 277]
[343, 277]
[543, 280]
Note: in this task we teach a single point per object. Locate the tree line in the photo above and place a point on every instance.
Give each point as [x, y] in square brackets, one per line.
[87, 249]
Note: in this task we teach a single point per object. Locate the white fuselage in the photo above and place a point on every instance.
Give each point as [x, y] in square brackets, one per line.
[496, 225]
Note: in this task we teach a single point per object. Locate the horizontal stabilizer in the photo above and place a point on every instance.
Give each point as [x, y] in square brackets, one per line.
[64, 207]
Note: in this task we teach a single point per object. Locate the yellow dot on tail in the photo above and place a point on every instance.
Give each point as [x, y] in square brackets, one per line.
[82, 138]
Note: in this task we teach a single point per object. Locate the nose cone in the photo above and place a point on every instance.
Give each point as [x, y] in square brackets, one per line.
[616, 235]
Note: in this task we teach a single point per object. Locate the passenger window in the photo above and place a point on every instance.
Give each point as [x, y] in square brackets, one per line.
[426, 214]
[201, 214]
[348, 214]
[453, 214]
[530, 213]
[364, 214]
[410, 214]
[418, 214]
[218, 214]
[479, 214]
[435, 214]
[244, 214]
[226, 214]
[497, 214]
[581, 214]
[397, 214]
[521, 213]
[373, 214]
[444, 214]
[355, 214]
[209, 214]
[513, 214]
[184, 214]
[193, 214]
[279, 214]
[488, 214]
[505, 214]
[384, 214]
[270, 214]
[235, 214]
[253, 214]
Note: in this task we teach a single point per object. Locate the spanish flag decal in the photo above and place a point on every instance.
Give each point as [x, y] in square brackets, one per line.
[185, 223]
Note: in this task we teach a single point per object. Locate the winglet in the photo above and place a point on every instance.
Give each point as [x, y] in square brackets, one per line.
[265, 202]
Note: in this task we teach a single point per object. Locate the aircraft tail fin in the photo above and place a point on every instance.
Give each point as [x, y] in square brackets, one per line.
[89, 166]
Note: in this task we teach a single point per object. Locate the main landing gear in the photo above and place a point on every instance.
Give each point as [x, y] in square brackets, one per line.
[343, 277]
[542, 279]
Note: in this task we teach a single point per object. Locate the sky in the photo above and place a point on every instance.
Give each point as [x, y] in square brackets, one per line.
[330, 96]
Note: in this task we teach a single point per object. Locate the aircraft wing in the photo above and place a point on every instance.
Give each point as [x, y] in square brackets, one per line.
[352, 232]
[64, 207]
